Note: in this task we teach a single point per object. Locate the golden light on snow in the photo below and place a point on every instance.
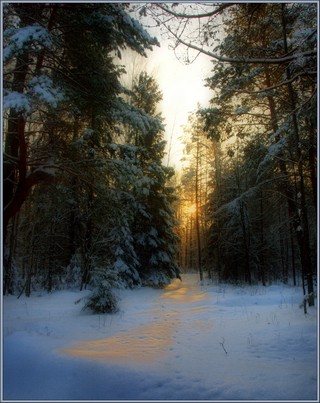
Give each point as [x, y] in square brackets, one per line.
[145, 343]
[182, 294]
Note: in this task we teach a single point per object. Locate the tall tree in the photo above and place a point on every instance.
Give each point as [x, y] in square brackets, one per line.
[252, 102]
[156, 241]
[50, 47]
[195, 180]
[63, 97]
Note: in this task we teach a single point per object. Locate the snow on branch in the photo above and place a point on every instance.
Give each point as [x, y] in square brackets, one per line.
[49, 169]
[277, 60]
[40, 88]
[18, 38]
[17, 101]
[273, 151]
[233, 206]
[135, 117]
[43, 88]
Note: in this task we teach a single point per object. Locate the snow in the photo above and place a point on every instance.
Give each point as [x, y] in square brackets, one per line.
[273, 151]
[40, 88]
[18, 38]
[43, 88]
[16, 100]
[241, 110]
[128, 114]
[186, 342]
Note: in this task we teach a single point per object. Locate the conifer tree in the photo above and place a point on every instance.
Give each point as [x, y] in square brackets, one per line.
[155, 240]
[64, 101]
[253, 98]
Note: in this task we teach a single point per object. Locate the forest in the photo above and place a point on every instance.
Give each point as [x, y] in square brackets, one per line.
[88, 201]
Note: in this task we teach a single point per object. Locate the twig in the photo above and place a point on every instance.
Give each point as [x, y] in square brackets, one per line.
[222, 345]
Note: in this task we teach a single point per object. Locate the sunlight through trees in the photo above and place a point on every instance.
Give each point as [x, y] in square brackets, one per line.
[89, 199]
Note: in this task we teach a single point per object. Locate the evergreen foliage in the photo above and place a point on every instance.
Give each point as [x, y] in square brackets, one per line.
[72, 169]
[88, 202]
[262, 203]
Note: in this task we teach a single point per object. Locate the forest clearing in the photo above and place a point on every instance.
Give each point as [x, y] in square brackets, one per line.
[187, 342]
[160, 200]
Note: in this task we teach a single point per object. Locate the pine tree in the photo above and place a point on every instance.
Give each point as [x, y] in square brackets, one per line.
[195, 181]
[64, 100]
[252, 103]
[155, 240]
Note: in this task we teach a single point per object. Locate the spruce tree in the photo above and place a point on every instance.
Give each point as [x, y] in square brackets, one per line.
[155, 240]
[64, 102]
[260, 99]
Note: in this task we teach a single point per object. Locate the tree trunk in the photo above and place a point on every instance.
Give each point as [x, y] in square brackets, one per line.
[246, 243]
[302, 225]
[312, 162]
[290, 195]
[199, 263]
[262, 241]
[13, 163]
[8, 275]
[15, 186]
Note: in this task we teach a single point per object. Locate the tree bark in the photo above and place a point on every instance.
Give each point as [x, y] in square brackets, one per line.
[13, 169]
[312, 161]
[199, 263]
[16, 184]
[302, 225]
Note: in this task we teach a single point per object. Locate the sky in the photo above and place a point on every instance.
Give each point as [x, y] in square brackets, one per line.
[182, 85]
[183, 88]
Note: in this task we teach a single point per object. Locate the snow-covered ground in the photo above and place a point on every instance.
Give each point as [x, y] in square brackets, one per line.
[188, 342]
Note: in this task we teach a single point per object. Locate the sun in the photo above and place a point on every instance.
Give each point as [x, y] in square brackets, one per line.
[191, 209]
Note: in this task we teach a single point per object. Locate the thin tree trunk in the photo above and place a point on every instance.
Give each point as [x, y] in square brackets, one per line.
[302, 225]
[217, 167]
[312, 163]
[13, 162]
[262, 241]
[246, 244]
[197, 214]
[15, 186]
[8, 276]
[292, 208]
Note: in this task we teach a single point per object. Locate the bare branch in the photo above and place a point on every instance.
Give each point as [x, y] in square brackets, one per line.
[222, 345]
[204, 15]
[297, 76]
[278, 60]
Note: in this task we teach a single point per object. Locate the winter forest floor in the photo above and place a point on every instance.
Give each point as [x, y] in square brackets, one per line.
[187, 342]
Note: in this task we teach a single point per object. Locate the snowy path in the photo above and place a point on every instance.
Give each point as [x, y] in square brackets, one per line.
[184, 343]
[151, 342]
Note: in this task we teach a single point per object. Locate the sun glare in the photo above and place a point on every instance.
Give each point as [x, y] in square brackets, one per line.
[191, 209]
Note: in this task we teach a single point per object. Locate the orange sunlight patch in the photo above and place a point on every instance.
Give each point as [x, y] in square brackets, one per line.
[185, 295]
[143, 344]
